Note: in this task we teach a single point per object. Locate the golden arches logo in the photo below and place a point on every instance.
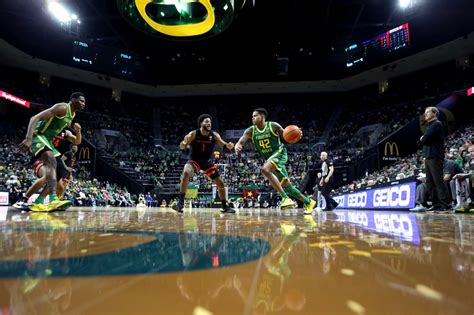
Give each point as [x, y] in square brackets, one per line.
[392, 147]
[84, 154]
[179, 30]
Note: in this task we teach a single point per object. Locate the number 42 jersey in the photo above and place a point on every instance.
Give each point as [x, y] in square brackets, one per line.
[266, 141]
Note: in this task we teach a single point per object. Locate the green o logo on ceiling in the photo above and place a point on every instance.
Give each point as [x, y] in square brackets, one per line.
[179, 19]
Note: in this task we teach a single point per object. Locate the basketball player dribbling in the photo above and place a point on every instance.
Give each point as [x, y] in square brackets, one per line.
[265, 135]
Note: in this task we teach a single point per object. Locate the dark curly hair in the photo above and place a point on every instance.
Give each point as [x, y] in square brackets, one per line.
[202, 117]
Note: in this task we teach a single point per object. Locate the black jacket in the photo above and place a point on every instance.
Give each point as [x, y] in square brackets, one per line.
[433, 142]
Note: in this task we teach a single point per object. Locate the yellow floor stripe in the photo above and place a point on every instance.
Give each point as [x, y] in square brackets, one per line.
[386, 251]
[429, 292]
[360, 253]
[325, 244]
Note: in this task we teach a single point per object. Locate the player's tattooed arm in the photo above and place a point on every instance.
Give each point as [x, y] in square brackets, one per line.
[59, 110]
[277, 128]
[245, 137]
[222, 143]
[187, 140]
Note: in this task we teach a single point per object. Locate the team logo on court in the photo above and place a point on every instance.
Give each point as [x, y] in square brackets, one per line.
[192, 254]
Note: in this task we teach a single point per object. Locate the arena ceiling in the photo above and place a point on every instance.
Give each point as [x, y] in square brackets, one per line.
[312, 34]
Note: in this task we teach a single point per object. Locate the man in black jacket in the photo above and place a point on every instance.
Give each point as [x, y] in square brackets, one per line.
[433, 152]
[327, 172]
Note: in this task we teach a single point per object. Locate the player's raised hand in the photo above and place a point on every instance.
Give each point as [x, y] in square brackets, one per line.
[25, 145]
[77, 127]
[229, 145]
[187, 139]
[238, 148]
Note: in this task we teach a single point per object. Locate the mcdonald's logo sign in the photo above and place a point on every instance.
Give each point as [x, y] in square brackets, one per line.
[391, 147]
[84, 154]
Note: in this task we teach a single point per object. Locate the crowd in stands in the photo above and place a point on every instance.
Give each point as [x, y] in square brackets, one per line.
[368, 111]
[459, 147]
[178, 120]
[243, 170]
[311, 119]
[152, 164]
[91, 193]
[16, 175]
[136, 131]
[133, 117]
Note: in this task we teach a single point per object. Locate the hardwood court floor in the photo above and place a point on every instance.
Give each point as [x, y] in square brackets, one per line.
[155, 261]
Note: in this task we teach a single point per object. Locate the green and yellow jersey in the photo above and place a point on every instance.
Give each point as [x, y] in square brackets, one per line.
[46, 130]
[52, 127]
[266, 141]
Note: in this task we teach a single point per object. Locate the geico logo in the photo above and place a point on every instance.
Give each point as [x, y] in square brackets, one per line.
[392, 197]
[341, 216]
[358, 218]
[357, 200]
[340, 200]
[394, 224]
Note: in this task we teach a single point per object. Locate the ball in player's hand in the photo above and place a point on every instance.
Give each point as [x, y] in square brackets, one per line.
[292, 134]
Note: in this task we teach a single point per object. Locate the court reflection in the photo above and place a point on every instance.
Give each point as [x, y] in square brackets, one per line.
[254, 262]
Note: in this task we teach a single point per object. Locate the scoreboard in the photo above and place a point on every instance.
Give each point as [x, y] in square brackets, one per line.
[379, 46]
[105, 59]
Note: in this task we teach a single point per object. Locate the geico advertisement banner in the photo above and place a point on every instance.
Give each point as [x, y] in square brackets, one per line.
[391, 197]
[3, 198]
[396, 224]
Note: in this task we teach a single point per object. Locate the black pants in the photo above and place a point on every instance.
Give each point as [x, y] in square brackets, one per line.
[435, 184]
[325, 191]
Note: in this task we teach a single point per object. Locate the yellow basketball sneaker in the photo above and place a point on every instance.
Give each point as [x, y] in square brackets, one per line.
[40, 207]
[57, 204]
[308, 209]
[287, 203]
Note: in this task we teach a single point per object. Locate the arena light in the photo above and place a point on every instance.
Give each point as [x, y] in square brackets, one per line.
[60, 12]
[470, 91]
[404, 4]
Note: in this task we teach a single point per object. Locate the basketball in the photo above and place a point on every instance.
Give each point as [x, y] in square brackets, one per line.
[292, 134]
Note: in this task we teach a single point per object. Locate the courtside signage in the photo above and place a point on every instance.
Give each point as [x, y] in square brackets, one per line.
[395, 224]
[14, 99]
[391, 197]
[3, 198]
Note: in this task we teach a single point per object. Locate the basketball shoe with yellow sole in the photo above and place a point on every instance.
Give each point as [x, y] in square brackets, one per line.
[308, 209]
[287, 203]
